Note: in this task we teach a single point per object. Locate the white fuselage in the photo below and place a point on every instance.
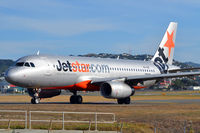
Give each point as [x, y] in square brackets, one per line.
[62, 71]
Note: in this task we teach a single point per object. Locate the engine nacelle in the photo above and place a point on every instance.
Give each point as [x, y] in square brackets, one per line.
[114, 89]
[44, 93]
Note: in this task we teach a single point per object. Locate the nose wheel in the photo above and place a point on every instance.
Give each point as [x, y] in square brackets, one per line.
[35, 100]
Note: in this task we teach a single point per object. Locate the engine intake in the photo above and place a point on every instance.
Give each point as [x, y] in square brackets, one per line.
[114, 89]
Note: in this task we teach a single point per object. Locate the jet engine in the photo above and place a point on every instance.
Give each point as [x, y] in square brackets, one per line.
[44, 93]
[114, 89]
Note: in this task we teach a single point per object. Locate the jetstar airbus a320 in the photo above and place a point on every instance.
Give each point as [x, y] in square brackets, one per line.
[45, 76]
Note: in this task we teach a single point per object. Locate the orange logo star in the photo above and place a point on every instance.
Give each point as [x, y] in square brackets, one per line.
[169, 43]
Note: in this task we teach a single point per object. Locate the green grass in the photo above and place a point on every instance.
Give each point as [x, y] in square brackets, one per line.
[127, 127]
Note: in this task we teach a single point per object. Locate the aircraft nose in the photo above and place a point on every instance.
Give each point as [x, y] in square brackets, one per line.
[11, 76]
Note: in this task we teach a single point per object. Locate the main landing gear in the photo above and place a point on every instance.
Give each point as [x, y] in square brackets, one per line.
[36, 99]
[126, 100]
[76, 99]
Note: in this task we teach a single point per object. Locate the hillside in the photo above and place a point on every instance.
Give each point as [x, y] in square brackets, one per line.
[139, 57]
[192, 64]
[4, 64]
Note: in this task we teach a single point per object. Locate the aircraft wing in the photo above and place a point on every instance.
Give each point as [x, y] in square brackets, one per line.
[183, 69]
[147, 77]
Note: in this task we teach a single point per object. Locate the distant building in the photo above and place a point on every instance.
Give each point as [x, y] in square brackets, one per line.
[165, 84]
[194, 88]
[1, 78]
[5, 87]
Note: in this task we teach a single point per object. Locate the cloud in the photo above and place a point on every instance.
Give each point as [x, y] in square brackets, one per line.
[93, 26]
[56, 27]
[20, 47]
[34, 5]
[190, 2]
[16, 49]
[187, 54]
[58, 18]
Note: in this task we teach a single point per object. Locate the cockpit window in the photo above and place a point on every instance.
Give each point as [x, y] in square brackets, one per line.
[27, 64]
[20, 64]
[32, 65]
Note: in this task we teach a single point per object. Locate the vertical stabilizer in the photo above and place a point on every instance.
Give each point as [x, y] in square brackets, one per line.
[165, 52]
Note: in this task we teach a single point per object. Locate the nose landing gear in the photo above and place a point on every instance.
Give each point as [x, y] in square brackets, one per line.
[35, 99]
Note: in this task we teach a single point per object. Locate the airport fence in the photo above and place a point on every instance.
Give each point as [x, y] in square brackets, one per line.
[14, 116]
[50, 117]
[71, 117]
[31, 120]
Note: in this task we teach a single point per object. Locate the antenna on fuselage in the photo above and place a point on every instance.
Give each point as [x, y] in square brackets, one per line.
[118, 57]
[38, 52]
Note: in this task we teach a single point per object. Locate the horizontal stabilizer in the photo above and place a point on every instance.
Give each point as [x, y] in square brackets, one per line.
[183, 69]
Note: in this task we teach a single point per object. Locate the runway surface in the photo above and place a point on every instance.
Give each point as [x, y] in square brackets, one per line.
[135, 102]
[182, 101]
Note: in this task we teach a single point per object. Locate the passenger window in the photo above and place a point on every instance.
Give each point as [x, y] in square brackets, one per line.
[20, 64]
[27, 64]
[32, 65]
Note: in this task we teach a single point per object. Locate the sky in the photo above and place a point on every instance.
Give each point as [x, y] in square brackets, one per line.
[75, 27]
